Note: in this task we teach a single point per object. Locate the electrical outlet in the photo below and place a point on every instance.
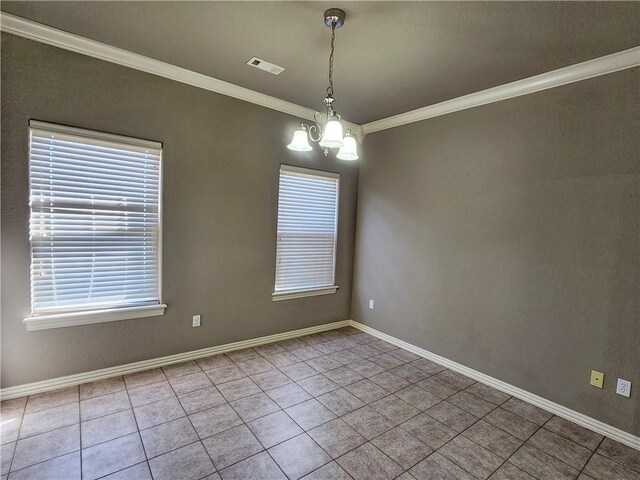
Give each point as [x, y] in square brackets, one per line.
[196, 320]
[623, 388]
[370, 304]
[597, 379]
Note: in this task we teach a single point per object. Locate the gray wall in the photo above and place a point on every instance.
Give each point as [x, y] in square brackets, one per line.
[506, 238]
[503, 237]
[221, 161]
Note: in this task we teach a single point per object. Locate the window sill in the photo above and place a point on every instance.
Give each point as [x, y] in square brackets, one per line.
[288, 295]
[59, 320]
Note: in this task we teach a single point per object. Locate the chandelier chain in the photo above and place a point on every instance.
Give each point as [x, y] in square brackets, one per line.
[333, 36]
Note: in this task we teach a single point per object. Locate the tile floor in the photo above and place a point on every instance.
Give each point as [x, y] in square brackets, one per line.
[334, 405]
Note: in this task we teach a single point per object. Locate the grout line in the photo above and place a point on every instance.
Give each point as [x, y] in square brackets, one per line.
[105, 394]
[215, 469]
[526, 443]
[15, 448]
[518, 449]
[500, 428]
[125, 468]
[280, 409]
[80, 431]
[481, 446]
[44, 461]
[542, 451]
[313, 397]
[336, 462]
[49, 408]
[478, 419]
[541, 427]
[41, 433]
[456, 464]
[564, 437]
[626, 467]
[571, 439]
[135, 419]
[591, 456]
[247, 426]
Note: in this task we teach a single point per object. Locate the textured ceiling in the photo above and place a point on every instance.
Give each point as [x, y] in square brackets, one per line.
[391, 57]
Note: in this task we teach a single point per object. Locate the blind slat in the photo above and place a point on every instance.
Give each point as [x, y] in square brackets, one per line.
[95, 221]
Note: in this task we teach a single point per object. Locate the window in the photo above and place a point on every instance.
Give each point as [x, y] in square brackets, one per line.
[307, 232]
[94, 226]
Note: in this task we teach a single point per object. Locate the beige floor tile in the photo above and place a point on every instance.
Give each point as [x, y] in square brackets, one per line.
[189, 463]
[111, 456]
[338, 405]
[46, 446]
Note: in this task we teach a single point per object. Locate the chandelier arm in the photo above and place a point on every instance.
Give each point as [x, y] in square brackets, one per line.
[315, 133]
[319, 127]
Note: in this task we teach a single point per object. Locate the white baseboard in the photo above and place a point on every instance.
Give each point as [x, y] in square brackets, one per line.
[71, 380]
[552, 407]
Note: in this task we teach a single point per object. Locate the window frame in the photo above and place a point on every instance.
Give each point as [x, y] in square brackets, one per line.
[67, 318]
[278, 295]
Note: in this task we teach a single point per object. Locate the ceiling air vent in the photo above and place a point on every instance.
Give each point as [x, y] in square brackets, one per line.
[266, 66]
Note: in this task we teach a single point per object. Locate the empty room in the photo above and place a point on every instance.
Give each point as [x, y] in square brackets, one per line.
[367, 240]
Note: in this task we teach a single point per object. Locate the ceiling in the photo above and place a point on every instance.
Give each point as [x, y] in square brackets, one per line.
[391, 57]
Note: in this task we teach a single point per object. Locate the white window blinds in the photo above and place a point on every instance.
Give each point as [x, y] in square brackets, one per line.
[307, 229]
[95, 220]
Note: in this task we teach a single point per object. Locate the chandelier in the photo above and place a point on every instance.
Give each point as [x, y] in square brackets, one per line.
[327, 131]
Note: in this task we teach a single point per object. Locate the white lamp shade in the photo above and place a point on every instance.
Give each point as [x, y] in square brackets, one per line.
[348, 151]
[300, 143]
[332, 136]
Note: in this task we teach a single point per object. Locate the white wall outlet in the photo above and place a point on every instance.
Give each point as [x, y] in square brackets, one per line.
[196, 320]
[370, 304]
[623, 387]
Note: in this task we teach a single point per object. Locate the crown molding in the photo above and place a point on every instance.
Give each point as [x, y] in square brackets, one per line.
[574, 73]
[38, 32]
